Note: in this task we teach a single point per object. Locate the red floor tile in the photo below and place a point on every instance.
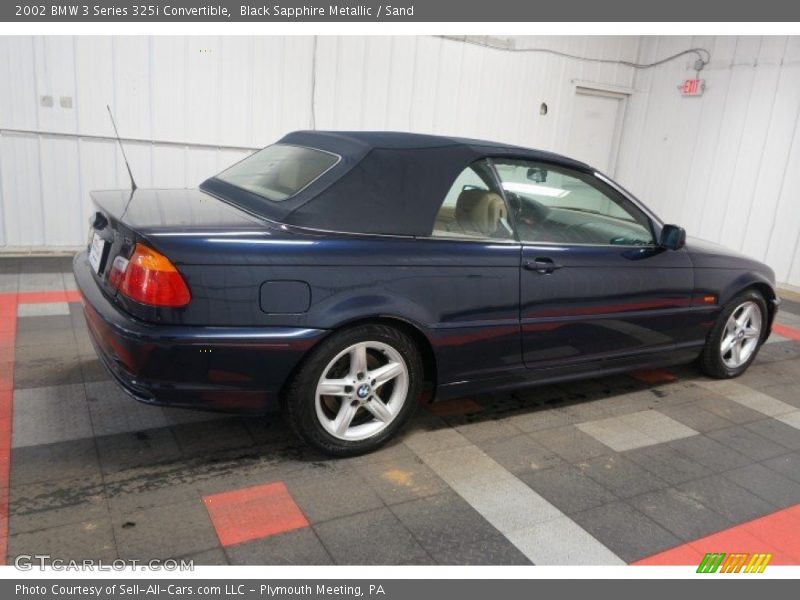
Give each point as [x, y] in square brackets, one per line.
[787, 332]
[253, 513]
[654, 376]
[777, 534]
[455, 407]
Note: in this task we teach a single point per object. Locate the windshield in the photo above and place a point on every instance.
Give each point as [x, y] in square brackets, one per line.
[280, 171]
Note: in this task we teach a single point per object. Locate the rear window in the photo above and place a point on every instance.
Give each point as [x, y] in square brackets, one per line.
[280, 171]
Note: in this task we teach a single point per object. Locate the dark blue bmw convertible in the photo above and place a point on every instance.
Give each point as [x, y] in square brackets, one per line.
[339, 275]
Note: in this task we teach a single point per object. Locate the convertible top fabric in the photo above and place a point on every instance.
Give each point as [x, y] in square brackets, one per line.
[385, 182]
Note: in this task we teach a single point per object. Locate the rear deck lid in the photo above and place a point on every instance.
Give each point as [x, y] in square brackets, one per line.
[124, 218]
[153, 210]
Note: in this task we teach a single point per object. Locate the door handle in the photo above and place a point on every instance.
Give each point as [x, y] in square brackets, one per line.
[542, 265]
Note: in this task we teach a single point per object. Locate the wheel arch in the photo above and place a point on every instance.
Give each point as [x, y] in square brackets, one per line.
[410, 328]
[770, 296]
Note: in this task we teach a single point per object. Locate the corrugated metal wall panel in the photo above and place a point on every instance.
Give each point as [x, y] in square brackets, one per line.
[192, 105]
[725, 165]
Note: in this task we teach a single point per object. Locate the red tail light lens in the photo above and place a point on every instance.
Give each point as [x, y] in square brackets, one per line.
[150, 278]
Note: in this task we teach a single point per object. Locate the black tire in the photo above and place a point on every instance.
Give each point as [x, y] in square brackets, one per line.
[299, 401]
[710, 360]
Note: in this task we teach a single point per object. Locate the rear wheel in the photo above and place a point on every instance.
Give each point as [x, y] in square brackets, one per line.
[357, 389]
[736, 337]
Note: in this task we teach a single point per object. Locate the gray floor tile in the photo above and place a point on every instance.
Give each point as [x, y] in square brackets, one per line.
[47, 372]
[45, 337]
[787, 392]
[695, 417]
[213, 557]
[131, 450]
[298, 547]
[212, 436]
[323, 497]
[37, 282]
[50, 415]
[49, 462]
[570, 443]
[726, 498]
[537, 420]
[680, 513]
[49, 504]
[626, 531]
[520, 454]
[568, 488]
[495, 550]
[93, 370]
[9, 282]
[371, 538]
[76, 541]
[621, 476]
[142, 489]
[767, 484]
[62, 350]
[443, 521]
[710, 453]
[401, 480]
[729, 409]
[747, 442]
[776, 431]
[487, 431]
[787, 465]
[113, 411]
[164, 531]
[667, 463]
[792, 419]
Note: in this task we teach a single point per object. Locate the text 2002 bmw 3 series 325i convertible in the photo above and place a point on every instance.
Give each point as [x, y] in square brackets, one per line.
[338, 275]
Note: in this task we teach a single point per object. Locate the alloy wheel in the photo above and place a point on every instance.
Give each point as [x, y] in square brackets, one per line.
[362, 390]
[742, 334]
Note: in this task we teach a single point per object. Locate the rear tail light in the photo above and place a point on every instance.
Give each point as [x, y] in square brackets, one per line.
[149, 278]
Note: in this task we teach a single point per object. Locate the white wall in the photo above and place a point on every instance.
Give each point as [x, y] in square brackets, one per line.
[196, 102]
[725, 165]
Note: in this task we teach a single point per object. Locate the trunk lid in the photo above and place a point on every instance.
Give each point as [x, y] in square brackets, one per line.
[125, 217]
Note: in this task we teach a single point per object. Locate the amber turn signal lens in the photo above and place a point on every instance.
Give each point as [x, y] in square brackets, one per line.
[149, 278]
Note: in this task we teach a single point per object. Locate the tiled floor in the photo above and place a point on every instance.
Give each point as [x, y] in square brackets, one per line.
[651, 467]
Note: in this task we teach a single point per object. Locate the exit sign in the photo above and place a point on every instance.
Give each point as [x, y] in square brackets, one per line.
[693, 87]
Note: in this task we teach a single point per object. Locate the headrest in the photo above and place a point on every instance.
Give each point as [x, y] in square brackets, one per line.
[479, 211]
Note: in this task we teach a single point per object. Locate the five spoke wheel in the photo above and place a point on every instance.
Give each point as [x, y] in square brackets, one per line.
[361, 390]
[741, 335]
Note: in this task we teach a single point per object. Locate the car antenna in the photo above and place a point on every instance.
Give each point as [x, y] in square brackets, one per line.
[121, 147]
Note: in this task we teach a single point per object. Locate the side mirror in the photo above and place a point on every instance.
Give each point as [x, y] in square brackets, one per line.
[672, 237]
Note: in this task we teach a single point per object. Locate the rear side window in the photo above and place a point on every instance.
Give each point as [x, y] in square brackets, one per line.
[280, 171]
[474, 207]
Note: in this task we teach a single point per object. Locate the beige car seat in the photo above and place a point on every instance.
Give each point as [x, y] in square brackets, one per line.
[479, 211]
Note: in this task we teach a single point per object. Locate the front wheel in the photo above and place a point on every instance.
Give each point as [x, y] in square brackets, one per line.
[736, 337]
[356, 390]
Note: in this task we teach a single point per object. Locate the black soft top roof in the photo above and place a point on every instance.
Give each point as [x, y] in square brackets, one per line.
[385, 182]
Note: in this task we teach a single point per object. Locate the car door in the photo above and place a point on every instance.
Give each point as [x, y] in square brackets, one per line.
[594, 284]
[474, 286]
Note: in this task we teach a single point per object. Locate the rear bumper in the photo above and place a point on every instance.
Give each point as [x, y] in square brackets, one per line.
[231, 369]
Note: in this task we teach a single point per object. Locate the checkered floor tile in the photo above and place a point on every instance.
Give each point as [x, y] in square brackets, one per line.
[653, 466]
